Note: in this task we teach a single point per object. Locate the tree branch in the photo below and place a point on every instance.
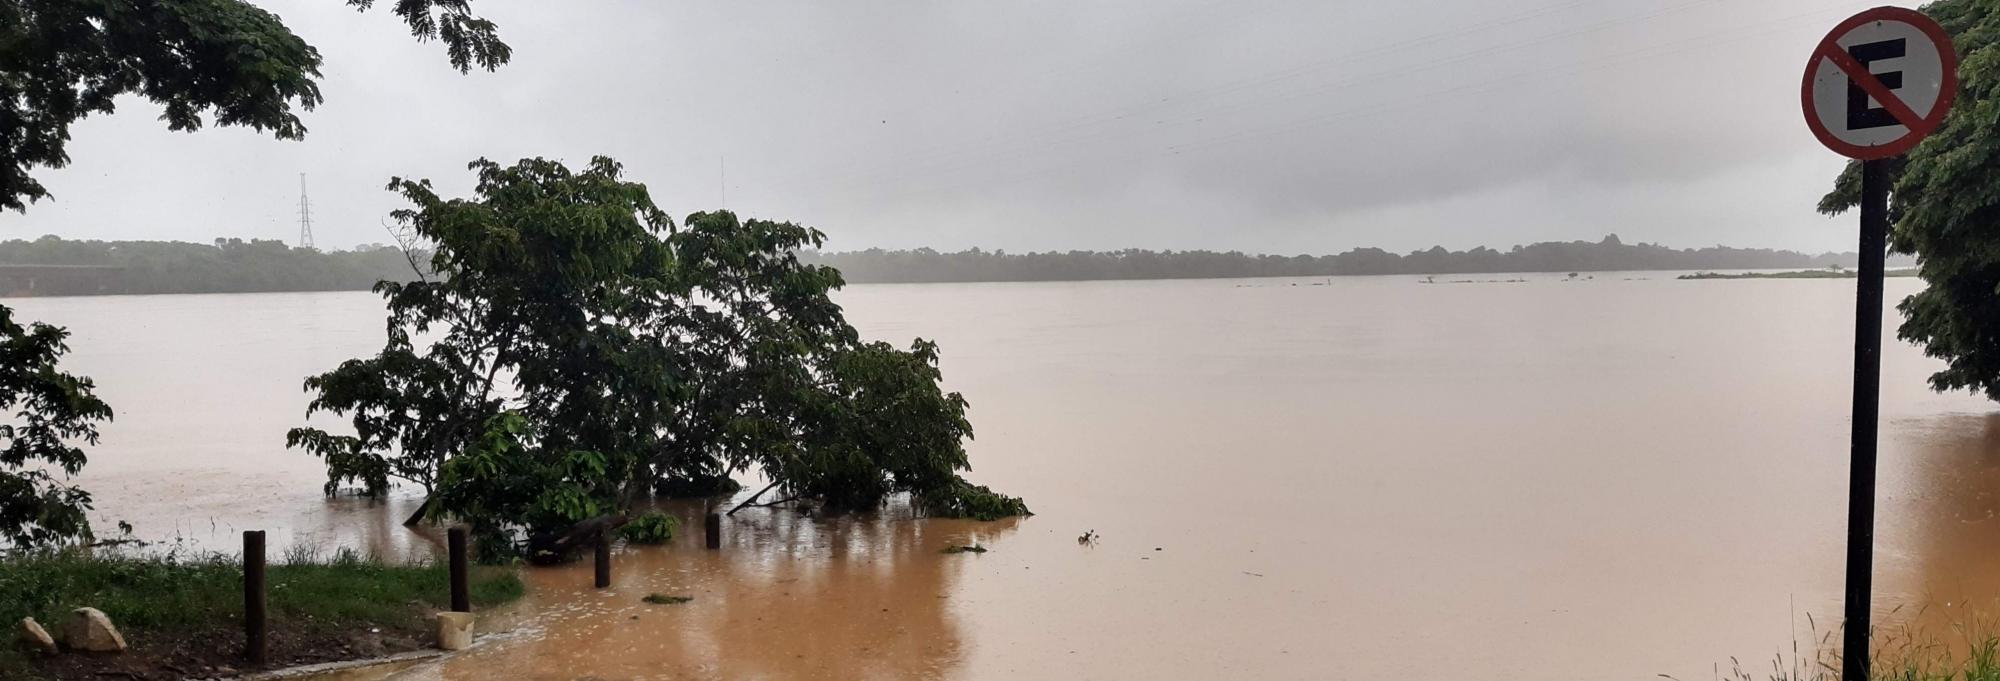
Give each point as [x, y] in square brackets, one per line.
[746, 502]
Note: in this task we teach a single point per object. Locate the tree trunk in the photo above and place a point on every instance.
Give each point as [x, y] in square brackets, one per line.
[419, 515]
[554, 547]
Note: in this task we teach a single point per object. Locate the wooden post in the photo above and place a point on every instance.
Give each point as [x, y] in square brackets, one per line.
[254, 640]
[714, 527]
[461, 588]
[603, 559]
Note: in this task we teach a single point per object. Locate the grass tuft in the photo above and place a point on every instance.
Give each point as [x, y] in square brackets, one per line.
[1969, 652]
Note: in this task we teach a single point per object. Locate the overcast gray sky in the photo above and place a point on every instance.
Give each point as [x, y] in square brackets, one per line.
[1281, 126]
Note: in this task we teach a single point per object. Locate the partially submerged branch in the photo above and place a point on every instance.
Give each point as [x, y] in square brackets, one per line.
[752, 500]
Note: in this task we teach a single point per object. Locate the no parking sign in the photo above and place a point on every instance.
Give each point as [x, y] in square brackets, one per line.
[1879, 83]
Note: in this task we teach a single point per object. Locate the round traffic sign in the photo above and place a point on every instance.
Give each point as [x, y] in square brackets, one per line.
[1879, 83]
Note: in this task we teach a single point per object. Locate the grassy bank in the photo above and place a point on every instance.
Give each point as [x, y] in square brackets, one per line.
[183, 617]
[1948, 649]
[1800, 274]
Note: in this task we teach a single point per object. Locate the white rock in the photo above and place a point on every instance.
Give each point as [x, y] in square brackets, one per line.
[454, 630]
[36, 637]
[89, 630]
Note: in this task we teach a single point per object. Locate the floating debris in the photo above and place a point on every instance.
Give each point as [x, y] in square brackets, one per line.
[663, 599]
[975, 548]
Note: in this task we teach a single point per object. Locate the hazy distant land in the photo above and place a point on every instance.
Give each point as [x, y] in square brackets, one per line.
[1607, 255]
[1842, 273]
[52, 266]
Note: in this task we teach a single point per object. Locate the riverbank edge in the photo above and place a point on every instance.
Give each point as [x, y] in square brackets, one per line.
[183, 616]
[311, 671]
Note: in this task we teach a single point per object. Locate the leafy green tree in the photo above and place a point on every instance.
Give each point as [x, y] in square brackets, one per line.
[1944, 209]
[62, 60]
[576, 348]
[777, 380]
[52, 410]
[533, 286]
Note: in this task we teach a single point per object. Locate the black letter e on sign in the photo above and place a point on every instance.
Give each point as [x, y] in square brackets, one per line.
[1859, 115]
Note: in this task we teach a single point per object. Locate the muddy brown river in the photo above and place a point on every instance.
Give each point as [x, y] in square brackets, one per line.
[1292, 479]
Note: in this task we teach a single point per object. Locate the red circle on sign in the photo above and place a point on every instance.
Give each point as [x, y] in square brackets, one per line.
[1919, 129]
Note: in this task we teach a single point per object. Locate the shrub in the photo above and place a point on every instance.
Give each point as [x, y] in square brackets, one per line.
[652, 528]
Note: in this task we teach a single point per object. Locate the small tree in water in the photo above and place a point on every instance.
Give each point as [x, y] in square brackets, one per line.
[576, 348]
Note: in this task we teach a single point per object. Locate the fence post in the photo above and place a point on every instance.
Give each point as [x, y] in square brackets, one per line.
[461, 588]
[714, 527]
[603, 559]
[254, 640]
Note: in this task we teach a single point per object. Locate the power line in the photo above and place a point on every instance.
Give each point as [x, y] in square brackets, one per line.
[305, 216]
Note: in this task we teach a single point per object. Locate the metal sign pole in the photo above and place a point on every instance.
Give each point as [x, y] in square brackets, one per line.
[1867, 381]
[1873, 116]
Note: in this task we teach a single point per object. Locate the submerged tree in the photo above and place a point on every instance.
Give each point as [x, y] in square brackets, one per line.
[780, 381]
[526, 317]
[1944, 210]
[60, 61]
[576, 349]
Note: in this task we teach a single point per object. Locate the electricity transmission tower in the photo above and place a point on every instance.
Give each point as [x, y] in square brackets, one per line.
[305, 216]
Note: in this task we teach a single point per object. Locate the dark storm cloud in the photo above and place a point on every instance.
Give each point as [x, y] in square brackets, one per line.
[1256, 125]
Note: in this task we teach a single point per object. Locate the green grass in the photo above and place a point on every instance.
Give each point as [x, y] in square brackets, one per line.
[171, 595]
[1968, 651]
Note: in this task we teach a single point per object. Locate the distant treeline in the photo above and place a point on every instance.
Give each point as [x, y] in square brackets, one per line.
[225, 266]
[1608, 255]
[238, 266]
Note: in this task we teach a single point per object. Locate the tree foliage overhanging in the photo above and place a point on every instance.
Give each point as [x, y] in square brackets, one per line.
[63, 60]
[575, 347]
[1945, 209]
[222, 60]
[51, 411]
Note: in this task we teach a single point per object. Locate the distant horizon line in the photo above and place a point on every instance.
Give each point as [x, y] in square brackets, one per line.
[1611, 238]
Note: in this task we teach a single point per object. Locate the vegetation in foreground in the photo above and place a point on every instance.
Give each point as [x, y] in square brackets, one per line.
[182, 616]
[67, 61]
[1970, 651]
[1943, 206]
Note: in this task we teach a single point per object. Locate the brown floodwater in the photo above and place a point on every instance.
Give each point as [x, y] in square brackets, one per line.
[1292, 479]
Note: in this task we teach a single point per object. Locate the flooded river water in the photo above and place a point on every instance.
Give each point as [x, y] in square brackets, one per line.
[1292, 479]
